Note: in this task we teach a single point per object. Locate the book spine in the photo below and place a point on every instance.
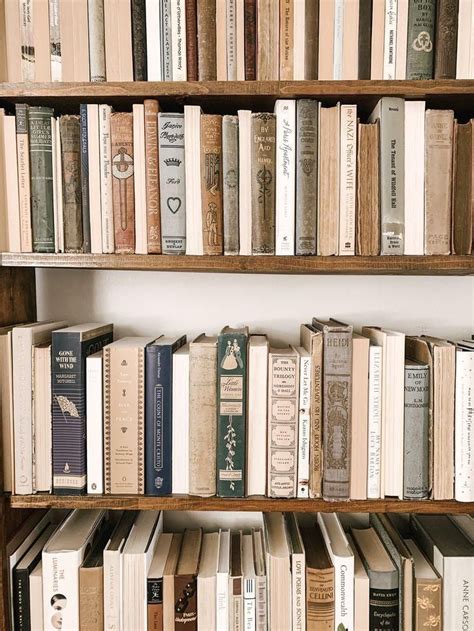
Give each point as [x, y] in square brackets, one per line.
[154, 36]
[222, 599]
[91, 599]
[329, 145]
[268, 35]
[41, 184]
[439, 129]
[286, 40]
[178, 40]
[337, 380]
[112, 590]
[95, 18]
[338, 39]
[158, 438]
[257, 418]
[249, 613]
[250, 44]
[106, 195]
[285, 111]
[230, 182]
[21, 600]
[95, 425]
[152, 177]
[211, 178]
[155, 604]
[84, 176]
[22, 411]
[231, 36]
[428, 604]
[70, 132]
[311, 37]
[304, 426]
[261, 604]
[316, 407]
[298, 589]
[374, 422]
[41, 360]
[463, 427]
[27, 42]
[416, 457]
[57, 186]
[232, 414]
[462, 189]
[192, 171]
[368, 190]
[263, 180]
[139, 176]
[306, 175]
[320, 599]
[121, 129]
[166, 59]
[420, 40]
[172, 184]
[236, 622]
[347, 180]
[180, 416]
[365, 38]
[23, 159]
[206, 40]
[282, 425]
[390, 39]
[383, 608]
[139, 40]
[446, 39]
[186, 615]
[61, 585]
[95, 210]
[55, 41]
[191, 41]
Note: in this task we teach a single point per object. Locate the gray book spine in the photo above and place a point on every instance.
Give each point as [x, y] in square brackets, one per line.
[306, 175]
[172, 198]
[167, 62]
[420, 40]
[391, 113]
[416, 435]
[230, 165]
[95, 13]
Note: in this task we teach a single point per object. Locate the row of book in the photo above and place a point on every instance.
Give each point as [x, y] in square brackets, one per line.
[342, 416]
[178, 40]
[136, 571]
[305, 180]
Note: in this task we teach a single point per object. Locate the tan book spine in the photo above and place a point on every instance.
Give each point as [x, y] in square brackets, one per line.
[320, 611]
[263, 183]
[350, 47]
[286, 40]
[91, 598]
[206, 39]
[328, 180]
[326, 40]
[462, 189]
[41, 40]
[221, 40]
[155, 617]
[69, 126]
[112, 61]
[152, 177]
[428, 604]
[368, 191]
[378, 32]
[123, 194]
[168, 583]
[12, 41]
[268, 33]
[439, 127]
[211, 177]
[124, 49]
[81, 41]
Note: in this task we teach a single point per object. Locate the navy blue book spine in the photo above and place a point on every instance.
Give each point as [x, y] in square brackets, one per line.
[86, 220]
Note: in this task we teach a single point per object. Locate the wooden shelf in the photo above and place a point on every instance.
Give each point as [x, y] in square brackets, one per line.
[255, 503]
[366, 265]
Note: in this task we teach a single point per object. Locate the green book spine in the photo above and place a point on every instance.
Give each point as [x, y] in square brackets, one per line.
[41, 173]
[232, 404]
[420, 39]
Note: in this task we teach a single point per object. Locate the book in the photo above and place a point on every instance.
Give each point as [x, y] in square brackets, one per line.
[124, 415]
[74, 41]
[180, 421]
[154, 38]
[207, 581]
[285, 164]
[155, 582]
[139, 40]
[230, 183]
[245, 182]
[263, 183]
[94, 165]
[298, 574]
[139, 175]
[359, 418]
[257, 414]
[462, 188]
[230, 35]
[70, 131]
[249, 579]
[390, 39]
[222, 581]
[261, 599]
[250, 31]
[41, 416]
[95, 21]
[118, 28]
[106, 192]
[23, 160]
[172, 185]
[277, 562]
[304, 420]
[463, 480]
[236, 587]
[152, 177]
[420, 49]
[168, 582]
[414, 176]
[206, 41]
[36, 597]
[211, 185]
[10, 174]
[401, 53]
[377, 40]
[347, 180]
[122, 167]
[327, 30]
[282, 432]
[416, 457]
[231, 411]
[268, 38]
[286, 40]
[374, 423]
[6, 409]
[446, 39]
[427, 589]
[159, 414]
[368, 190]
[95, 423]
[361, 590]
[178, 40]
[306, 175]
[185, 581]
[328, 180]
[319, 580]
[202, 415]
[69, 349]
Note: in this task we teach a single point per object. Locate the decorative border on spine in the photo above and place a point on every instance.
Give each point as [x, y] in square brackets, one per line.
[107, 421]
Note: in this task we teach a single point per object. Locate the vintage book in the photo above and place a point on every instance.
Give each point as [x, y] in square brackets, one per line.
[229, 33]
[139, 177]
[12, 41]
[168, 582]
[285, 165]
[282, 454]
[191, 40]
[257, 414]
[4, 236]
[180, 421]
[374, 423]
[121, 130]
[414, 177]
[368, 190]
[304, 421]
[428, 609]
[230, 183]
[439, 126]
[124, 415]
[139, 41]
[57, 186]
[403, 10]
[82, 176]
[95, 422]
[94, 193]
[185, 581]
[152, 178]
[207, 580]
[337, 392]
[178, 40]
[6, 409]
[154, 35]
[118, 28]
[327, 28]
[158, 414]
[463, 36]
[236, 590]
[263, 183]
[222, 580]
[192, 171]
[224, 9]
[202, 415]
[347, 180]
[463, 448]
[69, 350]
[74, 41]
[155, 583]
[36, 597]
[383, 579]
[390, 113]
[416, 461]
[365, 39]
[328, 180]
[298, 573]
[286, 40]
[420, 41]
[206, 40]
[172, 185]
[268, 36]
[240, 11]
[211, 183]
[106, 194]
[306, 175]
[95, 19]
[166, 63]
[319, 581]
[261, 600]
[361, 590]
[359, 416]
[277, 561]
[390, 39]
[245, 182]
[462, 188]
[23, 159]
[250, 31]
[231, 411]
[249, 580]
[10, 175]
[446, 39]
[55, 41]
[41, 411]
[41, 178]
[70, 129]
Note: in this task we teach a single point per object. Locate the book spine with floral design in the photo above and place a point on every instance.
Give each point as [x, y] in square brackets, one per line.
[428, 604]
[211, 178]
[231, 412]
[263, 150]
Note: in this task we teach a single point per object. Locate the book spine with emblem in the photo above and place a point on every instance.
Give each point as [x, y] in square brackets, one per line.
[420, 40]
[121, 129]
[306, 175]
[70, 131]
[211, 178]
[154, 608]
[263, 143]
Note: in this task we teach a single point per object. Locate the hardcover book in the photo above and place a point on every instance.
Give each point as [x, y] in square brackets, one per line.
[319, 581]
[428, 609]
[263, 183]
[70, 130]
[306, 175]
[83, 176]
[152, 177]
[206, 40]
[462, 188]
[230, 171]
[416, 460]
[420, 40]
[211, 183]
[328, 179]
[368, 190]
[285, 164]
[446, 39]
[23, 158]
[121, 130]
[185, 582]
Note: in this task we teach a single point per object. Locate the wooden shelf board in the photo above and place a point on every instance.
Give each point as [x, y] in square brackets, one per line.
[364, 265]
[188, 503]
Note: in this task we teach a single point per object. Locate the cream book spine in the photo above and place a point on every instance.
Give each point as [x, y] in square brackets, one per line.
[347, 179]
[463, 57]
[94, 178]
[153, 39]
[257, 414]
[42, 65]
[36, 598]
[42, 420]
[414, 177]
[338, 39]
[23, 159]
[178, 39]
[141, 235]
[13, 41]
[245, 179]
[222, 582]
[299, 25]
[240, 39]
[55, 41]
[192, 176]
[390, 39]
[105, 155]
[95, 424]
[285, 111]
[402, 36]
[464, 427]
[304, 423]
[11, 183]
[180, 458]
[374, 423]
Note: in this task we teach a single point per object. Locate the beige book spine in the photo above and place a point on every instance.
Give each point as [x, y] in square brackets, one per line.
[11, 184]
[211, 183]
[81, 41]
[286, 40]
[268, 31]
[6, 410]
[3, 44]
[41, 40]
[328, 180]
[123, 45]
[91, 599]
[3, 201]
[378, 30]
[326, 40]
[66, 27]
[152, 177]
[96, 39]
[13, 41]
[350, 46]
[221, 40]
[23, 160]
[428, 605]
[444, 372]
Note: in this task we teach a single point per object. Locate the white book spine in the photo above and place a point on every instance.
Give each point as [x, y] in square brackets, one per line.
[154, 38]
[105, 152]
[54, 40]
[57, 185]
[304, 426]
[257, 418]
[374, 422]
[11, 180]
[299, 48]
[464, 427]
[222, 594]
[390, 39]
[166, 43]
[231, 29]
[402, 36]
[249, 605]
[94, 178]
[42, 449]
[463, 57]
[61, 589]
[22, 423]
[285, 111]
[245, 179]
[240, 38]
[180, 456]
[414, 177]
[178, 39]
[112, 590]
[192, 171]
[94, 416]
[348, 179]
[141, 246]
[338, 38]
[458, 590]
[298, 584]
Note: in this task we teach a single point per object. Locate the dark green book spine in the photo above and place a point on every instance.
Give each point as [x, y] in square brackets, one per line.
[231, 413]
[420, 39]
[41, 173]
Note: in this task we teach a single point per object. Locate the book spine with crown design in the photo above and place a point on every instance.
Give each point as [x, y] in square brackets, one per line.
[121, 130]
[263, 147]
